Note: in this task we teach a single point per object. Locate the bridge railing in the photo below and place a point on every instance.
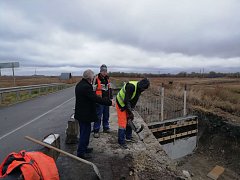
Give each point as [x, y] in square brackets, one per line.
[15, 94]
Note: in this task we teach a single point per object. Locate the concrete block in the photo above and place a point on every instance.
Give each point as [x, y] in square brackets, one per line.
[72, 131]
[53, 140]
[216, 172]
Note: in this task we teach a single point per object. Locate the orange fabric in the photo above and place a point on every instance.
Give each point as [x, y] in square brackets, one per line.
[99, 89]
[34, 166]
[46, 165]
[122, 117]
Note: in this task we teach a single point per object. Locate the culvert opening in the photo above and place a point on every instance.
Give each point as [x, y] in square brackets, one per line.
[215, 142]
[178, 136]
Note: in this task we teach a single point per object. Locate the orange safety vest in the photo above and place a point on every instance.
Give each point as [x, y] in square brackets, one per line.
[33, 165]
[99, 87]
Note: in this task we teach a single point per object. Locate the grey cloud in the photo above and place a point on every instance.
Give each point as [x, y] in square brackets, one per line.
[207, 29]
[167, 33]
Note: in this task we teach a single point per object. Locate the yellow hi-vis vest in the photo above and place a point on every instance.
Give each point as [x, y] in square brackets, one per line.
[121, 93]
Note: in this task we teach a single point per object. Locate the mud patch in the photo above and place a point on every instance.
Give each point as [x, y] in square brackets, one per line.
[219, 144]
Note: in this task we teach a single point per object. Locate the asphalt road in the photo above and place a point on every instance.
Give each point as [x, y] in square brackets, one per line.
[36, 118]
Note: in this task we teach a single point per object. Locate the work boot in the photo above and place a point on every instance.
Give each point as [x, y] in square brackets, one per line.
[106, 130]
[85, 156]
[123, 146]
[96, 135]
[131, 140]
[89, 150]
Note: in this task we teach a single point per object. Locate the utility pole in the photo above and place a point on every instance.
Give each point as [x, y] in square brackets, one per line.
[185, 101]
[162, 102]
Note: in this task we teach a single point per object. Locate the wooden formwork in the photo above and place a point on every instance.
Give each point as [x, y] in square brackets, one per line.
[170, 130]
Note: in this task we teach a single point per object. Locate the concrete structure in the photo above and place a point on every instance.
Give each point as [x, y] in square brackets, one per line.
[143, 160]
[178, 137]
[53, 140]
[72, 131]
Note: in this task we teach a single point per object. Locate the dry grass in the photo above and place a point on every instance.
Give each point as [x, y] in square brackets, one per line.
[220, 95]
[11, 98]
[6, 81]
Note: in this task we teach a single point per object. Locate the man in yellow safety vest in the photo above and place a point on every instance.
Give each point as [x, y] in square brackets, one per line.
[126, 100]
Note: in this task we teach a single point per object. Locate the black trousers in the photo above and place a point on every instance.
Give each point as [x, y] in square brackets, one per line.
[85, 130]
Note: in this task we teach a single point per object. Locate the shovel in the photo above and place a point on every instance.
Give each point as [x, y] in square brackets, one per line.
[135, 129]
[67, 154]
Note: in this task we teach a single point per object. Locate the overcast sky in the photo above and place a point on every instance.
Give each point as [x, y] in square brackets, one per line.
[158, 36]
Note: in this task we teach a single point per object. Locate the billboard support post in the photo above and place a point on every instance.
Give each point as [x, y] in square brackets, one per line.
[10, 65]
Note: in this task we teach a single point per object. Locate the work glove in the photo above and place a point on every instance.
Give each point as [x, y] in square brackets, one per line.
[130, 115]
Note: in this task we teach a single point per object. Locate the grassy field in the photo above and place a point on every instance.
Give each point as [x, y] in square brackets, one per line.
[220, 96]
[6, 81]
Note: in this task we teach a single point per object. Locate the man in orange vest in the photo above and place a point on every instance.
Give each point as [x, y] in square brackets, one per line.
[103, 89]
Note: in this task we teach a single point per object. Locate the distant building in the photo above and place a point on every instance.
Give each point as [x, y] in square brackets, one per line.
[65, 76]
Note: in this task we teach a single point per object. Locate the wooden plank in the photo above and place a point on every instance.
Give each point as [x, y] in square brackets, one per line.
[173, 120]
[173, 126]
[216, 172]
[177, 135]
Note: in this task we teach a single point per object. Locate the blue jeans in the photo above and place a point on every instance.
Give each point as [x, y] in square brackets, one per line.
[124, 133]
[85, 130]
[103, 116]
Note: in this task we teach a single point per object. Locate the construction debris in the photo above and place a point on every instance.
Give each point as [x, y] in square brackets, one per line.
[216, 172]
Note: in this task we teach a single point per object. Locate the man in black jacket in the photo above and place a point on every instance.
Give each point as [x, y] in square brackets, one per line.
[85, 111]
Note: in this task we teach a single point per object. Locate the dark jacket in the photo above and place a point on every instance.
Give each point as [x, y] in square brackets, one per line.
[104, 80]
[86, 99]
[129, 104]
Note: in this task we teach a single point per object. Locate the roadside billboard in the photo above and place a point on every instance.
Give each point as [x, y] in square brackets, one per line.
[9, 65]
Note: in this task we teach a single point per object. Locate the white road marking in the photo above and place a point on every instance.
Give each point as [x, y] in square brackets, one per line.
[20, 127]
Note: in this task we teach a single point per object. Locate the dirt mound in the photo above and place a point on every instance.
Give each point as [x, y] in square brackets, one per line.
[219, 144]
[147, 166]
